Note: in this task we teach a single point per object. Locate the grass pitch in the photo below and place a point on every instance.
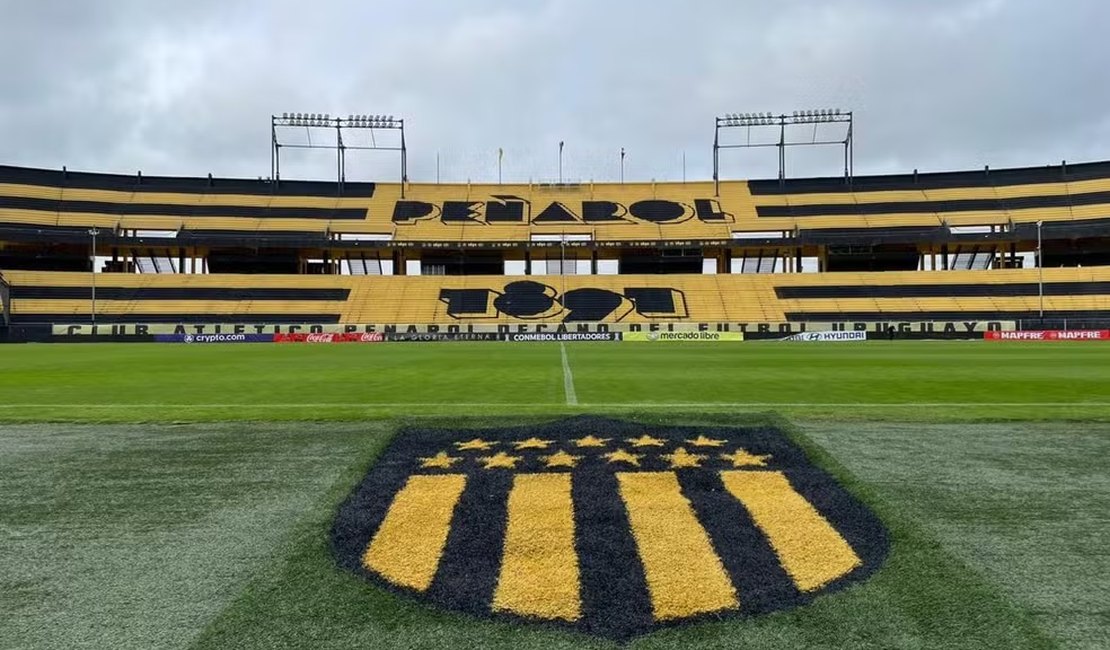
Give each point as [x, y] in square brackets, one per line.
[180, 497]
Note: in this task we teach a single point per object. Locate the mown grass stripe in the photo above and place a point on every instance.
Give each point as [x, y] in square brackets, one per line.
[298, 405]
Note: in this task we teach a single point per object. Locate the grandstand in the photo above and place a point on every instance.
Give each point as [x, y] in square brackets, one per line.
[918, 247]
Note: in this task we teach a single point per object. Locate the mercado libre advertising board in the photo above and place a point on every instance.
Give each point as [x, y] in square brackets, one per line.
[828, 337]
[1049, 335]
[683, 336]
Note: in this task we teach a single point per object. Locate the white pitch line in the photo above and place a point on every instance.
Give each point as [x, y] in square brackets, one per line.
[568, 378]
[546, 404]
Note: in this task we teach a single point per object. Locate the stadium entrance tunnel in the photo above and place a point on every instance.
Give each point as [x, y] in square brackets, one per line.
[607, 527]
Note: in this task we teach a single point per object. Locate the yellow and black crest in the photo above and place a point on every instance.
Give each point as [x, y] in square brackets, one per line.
[609, 527]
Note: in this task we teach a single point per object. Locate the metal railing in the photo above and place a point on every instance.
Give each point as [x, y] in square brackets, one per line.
[5, 301]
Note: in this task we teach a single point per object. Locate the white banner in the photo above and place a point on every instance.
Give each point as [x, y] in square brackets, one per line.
[828, 336]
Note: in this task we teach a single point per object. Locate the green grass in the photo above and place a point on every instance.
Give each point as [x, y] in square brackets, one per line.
[927, 380]
[180, 497]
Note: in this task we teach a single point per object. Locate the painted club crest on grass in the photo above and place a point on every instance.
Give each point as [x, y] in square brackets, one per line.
[609, 527]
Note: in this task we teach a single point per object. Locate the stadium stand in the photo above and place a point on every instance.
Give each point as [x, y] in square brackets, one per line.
[922, 247]
[1078, 293]
[51, 200]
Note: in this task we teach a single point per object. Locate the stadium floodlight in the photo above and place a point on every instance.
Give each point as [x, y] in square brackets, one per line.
[788, 137]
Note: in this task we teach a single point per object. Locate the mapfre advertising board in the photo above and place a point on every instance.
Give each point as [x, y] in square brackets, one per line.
[1049, 335]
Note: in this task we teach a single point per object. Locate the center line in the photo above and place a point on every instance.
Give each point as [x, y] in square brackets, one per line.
[568, 378]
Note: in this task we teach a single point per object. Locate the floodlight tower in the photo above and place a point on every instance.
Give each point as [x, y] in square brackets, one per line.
[310, 121]
[763, 119]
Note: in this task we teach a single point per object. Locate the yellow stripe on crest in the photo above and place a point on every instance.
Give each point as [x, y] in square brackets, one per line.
[539, 566]
[684, 574]
[408, 545]
[809, 548]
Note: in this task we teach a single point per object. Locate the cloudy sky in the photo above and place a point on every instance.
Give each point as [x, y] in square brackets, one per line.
[188, 87]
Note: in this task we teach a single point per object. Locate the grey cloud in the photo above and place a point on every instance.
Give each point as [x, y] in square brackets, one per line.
[186, 88]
